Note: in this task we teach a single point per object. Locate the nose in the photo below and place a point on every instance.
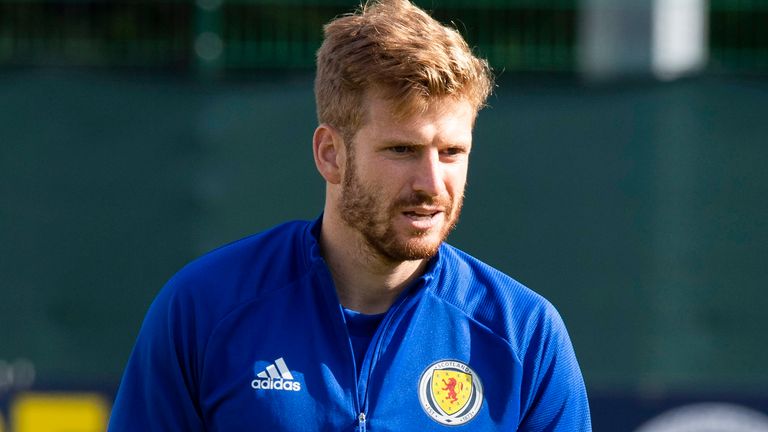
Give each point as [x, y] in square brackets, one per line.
[428, 178]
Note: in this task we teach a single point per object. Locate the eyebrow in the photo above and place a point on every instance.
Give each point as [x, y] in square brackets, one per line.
[406, 143]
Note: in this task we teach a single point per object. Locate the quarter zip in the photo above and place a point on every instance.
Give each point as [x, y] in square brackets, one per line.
[361, 422]
[325, 280]
[361, 379]
[374, 350]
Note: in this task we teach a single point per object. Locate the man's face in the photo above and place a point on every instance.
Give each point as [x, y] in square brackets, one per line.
[404, 179]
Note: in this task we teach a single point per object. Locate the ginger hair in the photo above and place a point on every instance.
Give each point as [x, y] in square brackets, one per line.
[398, 51]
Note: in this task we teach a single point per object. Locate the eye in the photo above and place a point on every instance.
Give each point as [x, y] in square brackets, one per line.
[401, 149]
[453, 151]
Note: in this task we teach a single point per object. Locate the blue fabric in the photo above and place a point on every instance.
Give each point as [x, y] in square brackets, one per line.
[361, 328]
[262, 313]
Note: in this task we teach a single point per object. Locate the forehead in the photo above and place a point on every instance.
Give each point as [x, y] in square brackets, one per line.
[446, 118]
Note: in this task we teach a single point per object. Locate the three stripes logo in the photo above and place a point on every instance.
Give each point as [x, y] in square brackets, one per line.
[276, 377]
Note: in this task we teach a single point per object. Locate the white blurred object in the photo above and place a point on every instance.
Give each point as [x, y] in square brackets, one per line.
[631, 38]
[679, 37]
[708, 417]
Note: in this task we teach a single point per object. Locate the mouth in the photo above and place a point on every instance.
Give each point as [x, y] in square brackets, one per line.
[423, 210]
[423, 215]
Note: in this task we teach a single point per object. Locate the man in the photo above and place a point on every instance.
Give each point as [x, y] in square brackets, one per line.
[363, 319]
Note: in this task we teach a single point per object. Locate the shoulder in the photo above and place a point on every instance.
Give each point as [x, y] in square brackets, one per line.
[275, 253]
[495, 300]
[211, 286]
[533, 329]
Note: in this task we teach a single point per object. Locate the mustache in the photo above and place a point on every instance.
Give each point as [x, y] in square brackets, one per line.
[417, 199]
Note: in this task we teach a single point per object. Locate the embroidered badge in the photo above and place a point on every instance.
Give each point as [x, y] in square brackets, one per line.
[450, 392]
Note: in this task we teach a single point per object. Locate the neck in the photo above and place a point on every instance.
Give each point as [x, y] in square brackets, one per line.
[365, 281]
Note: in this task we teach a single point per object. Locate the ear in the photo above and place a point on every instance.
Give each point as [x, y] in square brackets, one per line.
[328, 148]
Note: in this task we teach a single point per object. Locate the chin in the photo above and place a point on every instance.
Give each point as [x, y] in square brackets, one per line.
[398, 244]
[421, 248]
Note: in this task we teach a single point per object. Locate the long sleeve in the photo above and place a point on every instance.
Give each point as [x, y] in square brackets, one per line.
[159, 385]
[556, 395]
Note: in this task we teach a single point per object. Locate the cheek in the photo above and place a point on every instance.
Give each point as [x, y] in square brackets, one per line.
[456, 180]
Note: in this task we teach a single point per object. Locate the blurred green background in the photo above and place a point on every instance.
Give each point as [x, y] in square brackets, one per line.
[137, 135]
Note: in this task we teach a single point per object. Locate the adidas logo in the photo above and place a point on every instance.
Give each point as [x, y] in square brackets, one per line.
[276, 377]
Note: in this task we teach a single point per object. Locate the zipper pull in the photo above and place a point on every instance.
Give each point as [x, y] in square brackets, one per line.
[361, 422]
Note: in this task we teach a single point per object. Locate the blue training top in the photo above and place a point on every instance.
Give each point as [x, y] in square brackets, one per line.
[252, 337]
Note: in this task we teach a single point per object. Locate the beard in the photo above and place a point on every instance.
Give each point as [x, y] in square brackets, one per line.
[361, 207]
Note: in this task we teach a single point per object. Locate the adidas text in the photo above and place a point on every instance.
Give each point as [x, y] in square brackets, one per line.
[276, 377]
[275, 384]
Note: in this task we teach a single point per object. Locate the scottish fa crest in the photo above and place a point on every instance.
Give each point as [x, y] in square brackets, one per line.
[450, 392]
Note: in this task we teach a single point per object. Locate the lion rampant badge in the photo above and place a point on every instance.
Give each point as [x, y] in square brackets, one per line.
[450, 392]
